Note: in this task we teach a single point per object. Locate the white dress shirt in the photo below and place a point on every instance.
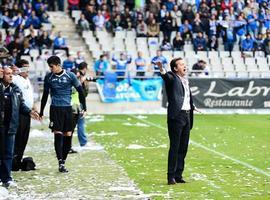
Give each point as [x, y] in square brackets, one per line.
[186, 103]
[27, 90]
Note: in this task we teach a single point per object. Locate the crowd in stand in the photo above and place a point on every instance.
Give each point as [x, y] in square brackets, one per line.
[22, 24]
[201, 22]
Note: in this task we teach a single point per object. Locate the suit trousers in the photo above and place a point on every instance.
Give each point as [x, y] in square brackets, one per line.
[179, 138]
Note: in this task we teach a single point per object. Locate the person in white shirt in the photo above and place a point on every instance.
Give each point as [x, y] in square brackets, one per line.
[22, 135]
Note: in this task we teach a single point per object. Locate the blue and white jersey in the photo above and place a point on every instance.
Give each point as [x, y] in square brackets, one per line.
[60, 87]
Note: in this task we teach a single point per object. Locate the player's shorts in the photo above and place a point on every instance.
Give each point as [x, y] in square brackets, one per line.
[61, 118]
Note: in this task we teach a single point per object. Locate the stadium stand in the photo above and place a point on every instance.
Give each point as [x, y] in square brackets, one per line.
[228, 24]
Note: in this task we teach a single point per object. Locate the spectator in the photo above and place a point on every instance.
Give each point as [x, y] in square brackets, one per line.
[238, 6]
[167, 26]
[33, 41]
[153, 29]
[153, 7]
[200, 43]
[176, 16]
[68, 64]
[83, 23]
[60, 43]
[247, 44]
[60, 5]
[101, 65]
[253, 26]
[197, 25]
[178, 42]
[141, 29]
[226, 5]
[33, 20]
[89, 13]
[258, 43]
[200, 69]
[73, 5]
[213, 43]
[140, 63]
[121, 65]
[44, 41]
[188, 15]
[159, 57]
[186, 30]
[79, 59]
[99, 21]
[267, 48]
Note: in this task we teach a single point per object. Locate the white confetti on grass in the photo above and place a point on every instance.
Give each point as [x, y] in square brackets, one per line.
[38, 133]
[138, 124]
[3, 193]
[101, 134]
[94, 118]
[135, 146]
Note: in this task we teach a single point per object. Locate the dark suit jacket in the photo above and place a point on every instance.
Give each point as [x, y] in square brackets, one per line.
[175, 93]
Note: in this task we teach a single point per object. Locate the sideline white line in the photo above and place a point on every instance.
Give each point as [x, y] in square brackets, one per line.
[260, 171]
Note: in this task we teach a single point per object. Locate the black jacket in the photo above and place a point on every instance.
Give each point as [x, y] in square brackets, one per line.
[18, 106]
[1, 104]
[175, 93]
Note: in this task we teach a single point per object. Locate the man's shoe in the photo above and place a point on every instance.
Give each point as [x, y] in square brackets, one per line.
[72, 151]
[10, 184]
[171, 181]
[62, 169]
[179, 180]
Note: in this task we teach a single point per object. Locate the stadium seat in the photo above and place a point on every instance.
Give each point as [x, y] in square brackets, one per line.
[120, 34]
[224, 54]
[178, 54]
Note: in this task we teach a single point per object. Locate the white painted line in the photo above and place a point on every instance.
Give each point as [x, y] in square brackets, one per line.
[256, 169]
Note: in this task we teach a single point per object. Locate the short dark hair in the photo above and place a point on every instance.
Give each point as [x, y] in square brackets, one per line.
[173, 63]
[82, 65]
[21, 63]
[54, 60]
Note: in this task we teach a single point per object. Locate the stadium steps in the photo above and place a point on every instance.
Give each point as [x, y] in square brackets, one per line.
[62, 22]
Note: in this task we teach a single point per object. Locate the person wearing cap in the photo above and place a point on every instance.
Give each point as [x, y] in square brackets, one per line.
[14, 105]
[179, 117]
[22, 135]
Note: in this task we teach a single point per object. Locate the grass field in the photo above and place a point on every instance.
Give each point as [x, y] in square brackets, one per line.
[228, 158]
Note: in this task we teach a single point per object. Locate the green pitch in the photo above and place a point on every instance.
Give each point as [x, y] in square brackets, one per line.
[228, 158]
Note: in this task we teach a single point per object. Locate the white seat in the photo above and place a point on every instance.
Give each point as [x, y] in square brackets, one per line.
[131, 34]
[120, 34]
[178, 54]
[226, 61]
[34, 53]
[250, 61]
[224, 54]
[153, 41]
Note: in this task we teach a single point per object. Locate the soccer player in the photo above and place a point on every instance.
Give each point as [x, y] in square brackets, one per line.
[59, 84]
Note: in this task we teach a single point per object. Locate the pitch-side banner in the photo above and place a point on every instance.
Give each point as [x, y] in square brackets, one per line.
[129, 90]
[231, 93]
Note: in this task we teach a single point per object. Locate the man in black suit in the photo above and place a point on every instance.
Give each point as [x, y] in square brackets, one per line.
[179, 117]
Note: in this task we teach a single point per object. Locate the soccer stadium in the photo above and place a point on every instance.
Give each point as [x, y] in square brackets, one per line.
[135, 99]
